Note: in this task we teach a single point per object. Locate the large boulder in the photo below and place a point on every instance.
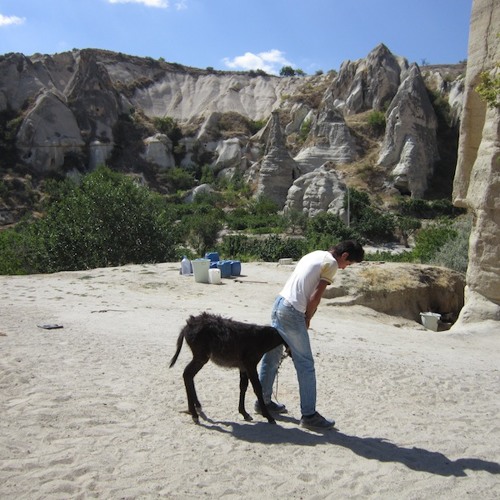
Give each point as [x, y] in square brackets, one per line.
[477, 179]
[158, 150]
[409, 148]
[319, 191]
[404, 290]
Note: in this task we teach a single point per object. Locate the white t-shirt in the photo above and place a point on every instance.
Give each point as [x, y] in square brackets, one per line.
[310, 270]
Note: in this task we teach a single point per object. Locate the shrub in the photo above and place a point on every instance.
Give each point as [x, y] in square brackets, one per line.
[269, 249]
[454, 253]
[430, 240]
[326, 229]
[107, 221]
[489, 88]
[376, 121]
[178, 179]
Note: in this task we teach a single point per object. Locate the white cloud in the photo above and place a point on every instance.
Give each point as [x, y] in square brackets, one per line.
[8, 20]
[181, 5]
[270, 62]
[148, 3]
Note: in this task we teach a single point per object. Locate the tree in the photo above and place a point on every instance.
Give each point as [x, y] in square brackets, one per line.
[107, 221]
[287, 71]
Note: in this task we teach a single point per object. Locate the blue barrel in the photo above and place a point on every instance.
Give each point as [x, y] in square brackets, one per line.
[212, 256]
[225, 268]
[213, 265]
[235, 267]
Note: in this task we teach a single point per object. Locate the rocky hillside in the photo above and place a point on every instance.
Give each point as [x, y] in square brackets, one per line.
[379, 123]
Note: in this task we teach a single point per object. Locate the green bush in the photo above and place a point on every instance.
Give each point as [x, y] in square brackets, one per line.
[107, 221]
[11, 252]
[326, 229]
[178, 179]
[376, 121]
[269, 249]
[454, 253]
[423, 209]
[429, 241]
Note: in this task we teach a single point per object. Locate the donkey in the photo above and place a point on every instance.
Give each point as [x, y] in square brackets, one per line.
[227, 343]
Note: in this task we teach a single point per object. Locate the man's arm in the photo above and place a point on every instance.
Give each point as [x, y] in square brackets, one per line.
[315, 300]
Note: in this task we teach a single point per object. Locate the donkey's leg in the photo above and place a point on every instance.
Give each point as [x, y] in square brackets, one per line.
[257, 388]
[190, 371]
[243, 390]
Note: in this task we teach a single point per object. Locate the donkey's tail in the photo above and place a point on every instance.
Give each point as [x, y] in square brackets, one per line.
[180, 340]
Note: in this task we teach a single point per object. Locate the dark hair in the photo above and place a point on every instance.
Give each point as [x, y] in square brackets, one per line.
[352, 247]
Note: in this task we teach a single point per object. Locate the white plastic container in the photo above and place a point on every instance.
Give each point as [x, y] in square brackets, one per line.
[430, 320]
[200, 270]
[186, 269]
[214, 277]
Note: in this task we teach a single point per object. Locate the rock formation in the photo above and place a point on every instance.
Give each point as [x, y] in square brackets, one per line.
[329, 140]
[277, 170]
[410, 146]
[477, 179]
[403, 290]
[319, 191]
[76, 110]
[369, 83]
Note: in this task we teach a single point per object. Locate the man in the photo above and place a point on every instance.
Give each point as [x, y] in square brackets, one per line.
[291, 315]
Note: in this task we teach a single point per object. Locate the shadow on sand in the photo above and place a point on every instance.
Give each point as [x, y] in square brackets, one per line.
[372, 448]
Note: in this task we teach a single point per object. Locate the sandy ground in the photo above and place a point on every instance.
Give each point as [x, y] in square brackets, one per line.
[91, 410]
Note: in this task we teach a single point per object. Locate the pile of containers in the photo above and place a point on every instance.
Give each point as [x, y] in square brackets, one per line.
[211, 269]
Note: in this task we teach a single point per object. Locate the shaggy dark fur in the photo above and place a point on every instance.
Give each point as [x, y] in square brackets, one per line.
[227, 343]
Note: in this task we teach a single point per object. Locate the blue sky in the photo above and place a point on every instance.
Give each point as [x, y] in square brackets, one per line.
[241, 34]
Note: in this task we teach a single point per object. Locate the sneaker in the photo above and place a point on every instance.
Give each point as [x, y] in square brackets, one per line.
[272, 407]
[316, 422]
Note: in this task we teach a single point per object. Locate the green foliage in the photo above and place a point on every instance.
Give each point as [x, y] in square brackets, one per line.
[365, 219]
[376, 121]
[9, 126]
[257, 72]
[295, 221]
[107, 221]
[269, 249]
[168, 126]
[203, 230]
[11, 252]
[256, 125]
[489, 88]
[454, 253]
[178, 179]
[287, 71]
[326, 229]
[305, 128]
[407, 227]
[428, 241]
[423, 209]
[441, 107]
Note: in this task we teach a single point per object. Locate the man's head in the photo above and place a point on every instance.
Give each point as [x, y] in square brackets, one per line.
[347, 252]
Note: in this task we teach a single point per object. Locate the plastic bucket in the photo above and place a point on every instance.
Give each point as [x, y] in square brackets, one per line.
[212, 256]
[200, 270]
[225, 268]
[235, 267]
[214, 276]
[430, 320]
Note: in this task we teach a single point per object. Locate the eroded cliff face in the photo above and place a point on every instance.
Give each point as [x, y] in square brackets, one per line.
[477, 179]
[70, 112]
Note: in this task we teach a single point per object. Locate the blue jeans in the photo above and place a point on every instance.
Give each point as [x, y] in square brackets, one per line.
[292, 327]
